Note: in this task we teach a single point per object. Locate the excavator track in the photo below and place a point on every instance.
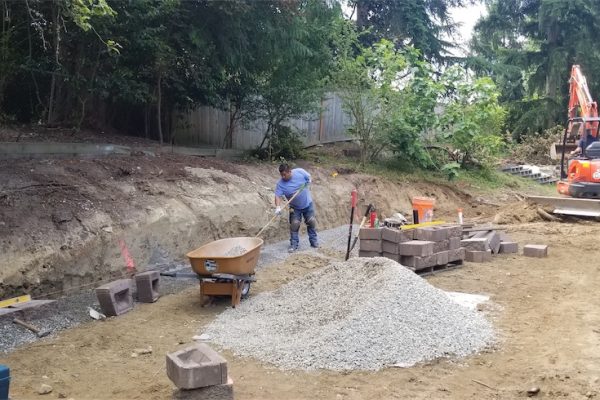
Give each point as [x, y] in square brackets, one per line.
[568, 205]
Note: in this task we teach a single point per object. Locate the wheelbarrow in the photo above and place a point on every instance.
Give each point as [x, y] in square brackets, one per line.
[221, 274]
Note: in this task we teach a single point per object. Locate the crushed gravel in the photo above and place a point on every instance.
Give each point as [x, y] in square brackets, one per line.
[363, 314]
[236, 251]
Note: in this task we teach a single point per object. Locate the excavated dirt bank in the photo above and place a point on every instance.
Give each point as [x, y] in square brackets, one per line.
[65, 223]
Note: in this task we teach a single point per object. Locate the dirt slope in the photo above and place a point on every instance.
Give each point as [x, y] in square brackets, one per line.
[63, 223]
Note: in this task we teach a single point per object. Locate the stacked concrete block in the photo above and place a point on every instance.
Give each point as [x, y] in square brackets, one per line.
[370, 242]
[116, 297]
[535, 250]
[147, 284]
[196, 366]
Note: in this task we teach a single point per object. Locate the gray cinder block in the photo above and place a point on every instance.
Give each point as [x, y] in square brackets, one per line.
[147, 284]
[115, 298]
[196, 366]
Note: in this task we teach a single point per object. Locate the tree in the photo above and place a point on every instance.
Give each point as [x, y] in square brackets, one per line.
[421, 24]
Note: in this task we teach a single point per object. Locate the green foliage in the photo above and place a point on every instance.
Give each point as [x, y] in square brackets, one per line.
[472, 119]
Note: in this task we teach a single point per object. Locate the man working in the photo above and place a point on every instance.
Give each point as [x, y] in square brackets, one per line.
[292, 181]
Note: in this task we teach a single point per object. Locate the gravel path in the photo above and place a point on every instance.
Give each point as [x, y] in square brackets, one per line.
[363, 314]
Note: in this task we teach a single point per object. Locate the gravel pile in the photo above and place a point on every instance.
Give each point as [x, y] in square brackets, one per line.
[236, 251]
[363, 314]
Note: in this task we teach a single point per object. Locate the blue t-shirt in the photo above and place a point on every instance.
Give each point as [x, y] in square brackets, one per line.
[288, 188]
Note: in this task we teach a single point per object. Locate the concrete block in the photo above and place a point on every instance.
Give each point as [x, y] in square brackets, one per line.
[475, 244]
[116, 297]
[371, 245]
[369, 254]
[196, 366]
[431, 233]
[370, 234]
[454, 243]
[396, 236]
[147, 284]
[493, 241]
[390, 247]
[215, 392]
[535, 250]
[417, 263]
[391, 256]
[442, 258]
[509, 247]
[456, 255]
[478, 256]
[444, 245]
[419, 248]
[454, 231]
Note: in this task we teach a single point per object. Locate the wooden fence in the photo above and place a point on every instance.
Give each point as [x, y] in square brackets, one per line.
[206, 126]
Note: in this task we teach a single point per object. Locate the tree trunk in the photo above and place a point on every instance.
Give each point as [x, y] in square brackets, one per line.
[158, 107]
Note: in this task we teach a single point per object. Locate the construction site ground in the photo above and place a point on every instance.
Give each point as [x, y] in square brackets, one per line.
[62, 217]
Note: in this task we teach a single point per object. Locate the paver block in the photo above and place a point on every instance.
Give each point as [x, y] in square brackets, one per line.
[442, 258]
[418, 263]
[397, 236]
[475, 244]
[390, 247]
[116, 297]
[444, 245]
[419, 248]
[454, 243]
[478, 256]
[431, 233]
[215, 392]
[147, 284]
[369, 234]
[535, 250]
[509, 247]
[391, 256]
[369, 254]
[196, 366]
[371, 245]
[456, 255]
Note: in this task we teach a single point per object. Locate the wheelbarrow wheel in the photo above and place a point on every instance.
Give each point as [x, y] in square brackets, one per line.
[246, 290]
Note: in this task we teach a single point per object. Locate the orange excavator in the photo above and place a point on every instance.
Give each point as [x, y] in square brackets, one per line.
[580, 177]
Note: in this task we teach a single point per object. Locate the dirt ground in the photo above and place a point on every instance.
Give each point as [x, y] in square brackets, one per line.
[546, 312]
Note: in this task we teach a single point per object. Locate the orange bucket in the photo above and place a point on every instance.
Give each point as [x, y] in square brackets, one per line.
[424, 208]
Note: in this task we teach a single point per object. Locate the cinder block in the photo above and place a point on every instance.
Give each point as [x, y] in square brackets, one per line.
[216, 392]
[391, 256]
[419, 248]
[368, 254]
[371, 245]
[396, 236]
[454, 243]
[389, 247]
[456, 255]
[431, 233]
[370, 234]
[478, 256]
[475, 244]
[535, 250]
[115, 298]
[196, 366]
[509, 247]
[417, 263]
[442, 258]
[444, 245]
[147, 284]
